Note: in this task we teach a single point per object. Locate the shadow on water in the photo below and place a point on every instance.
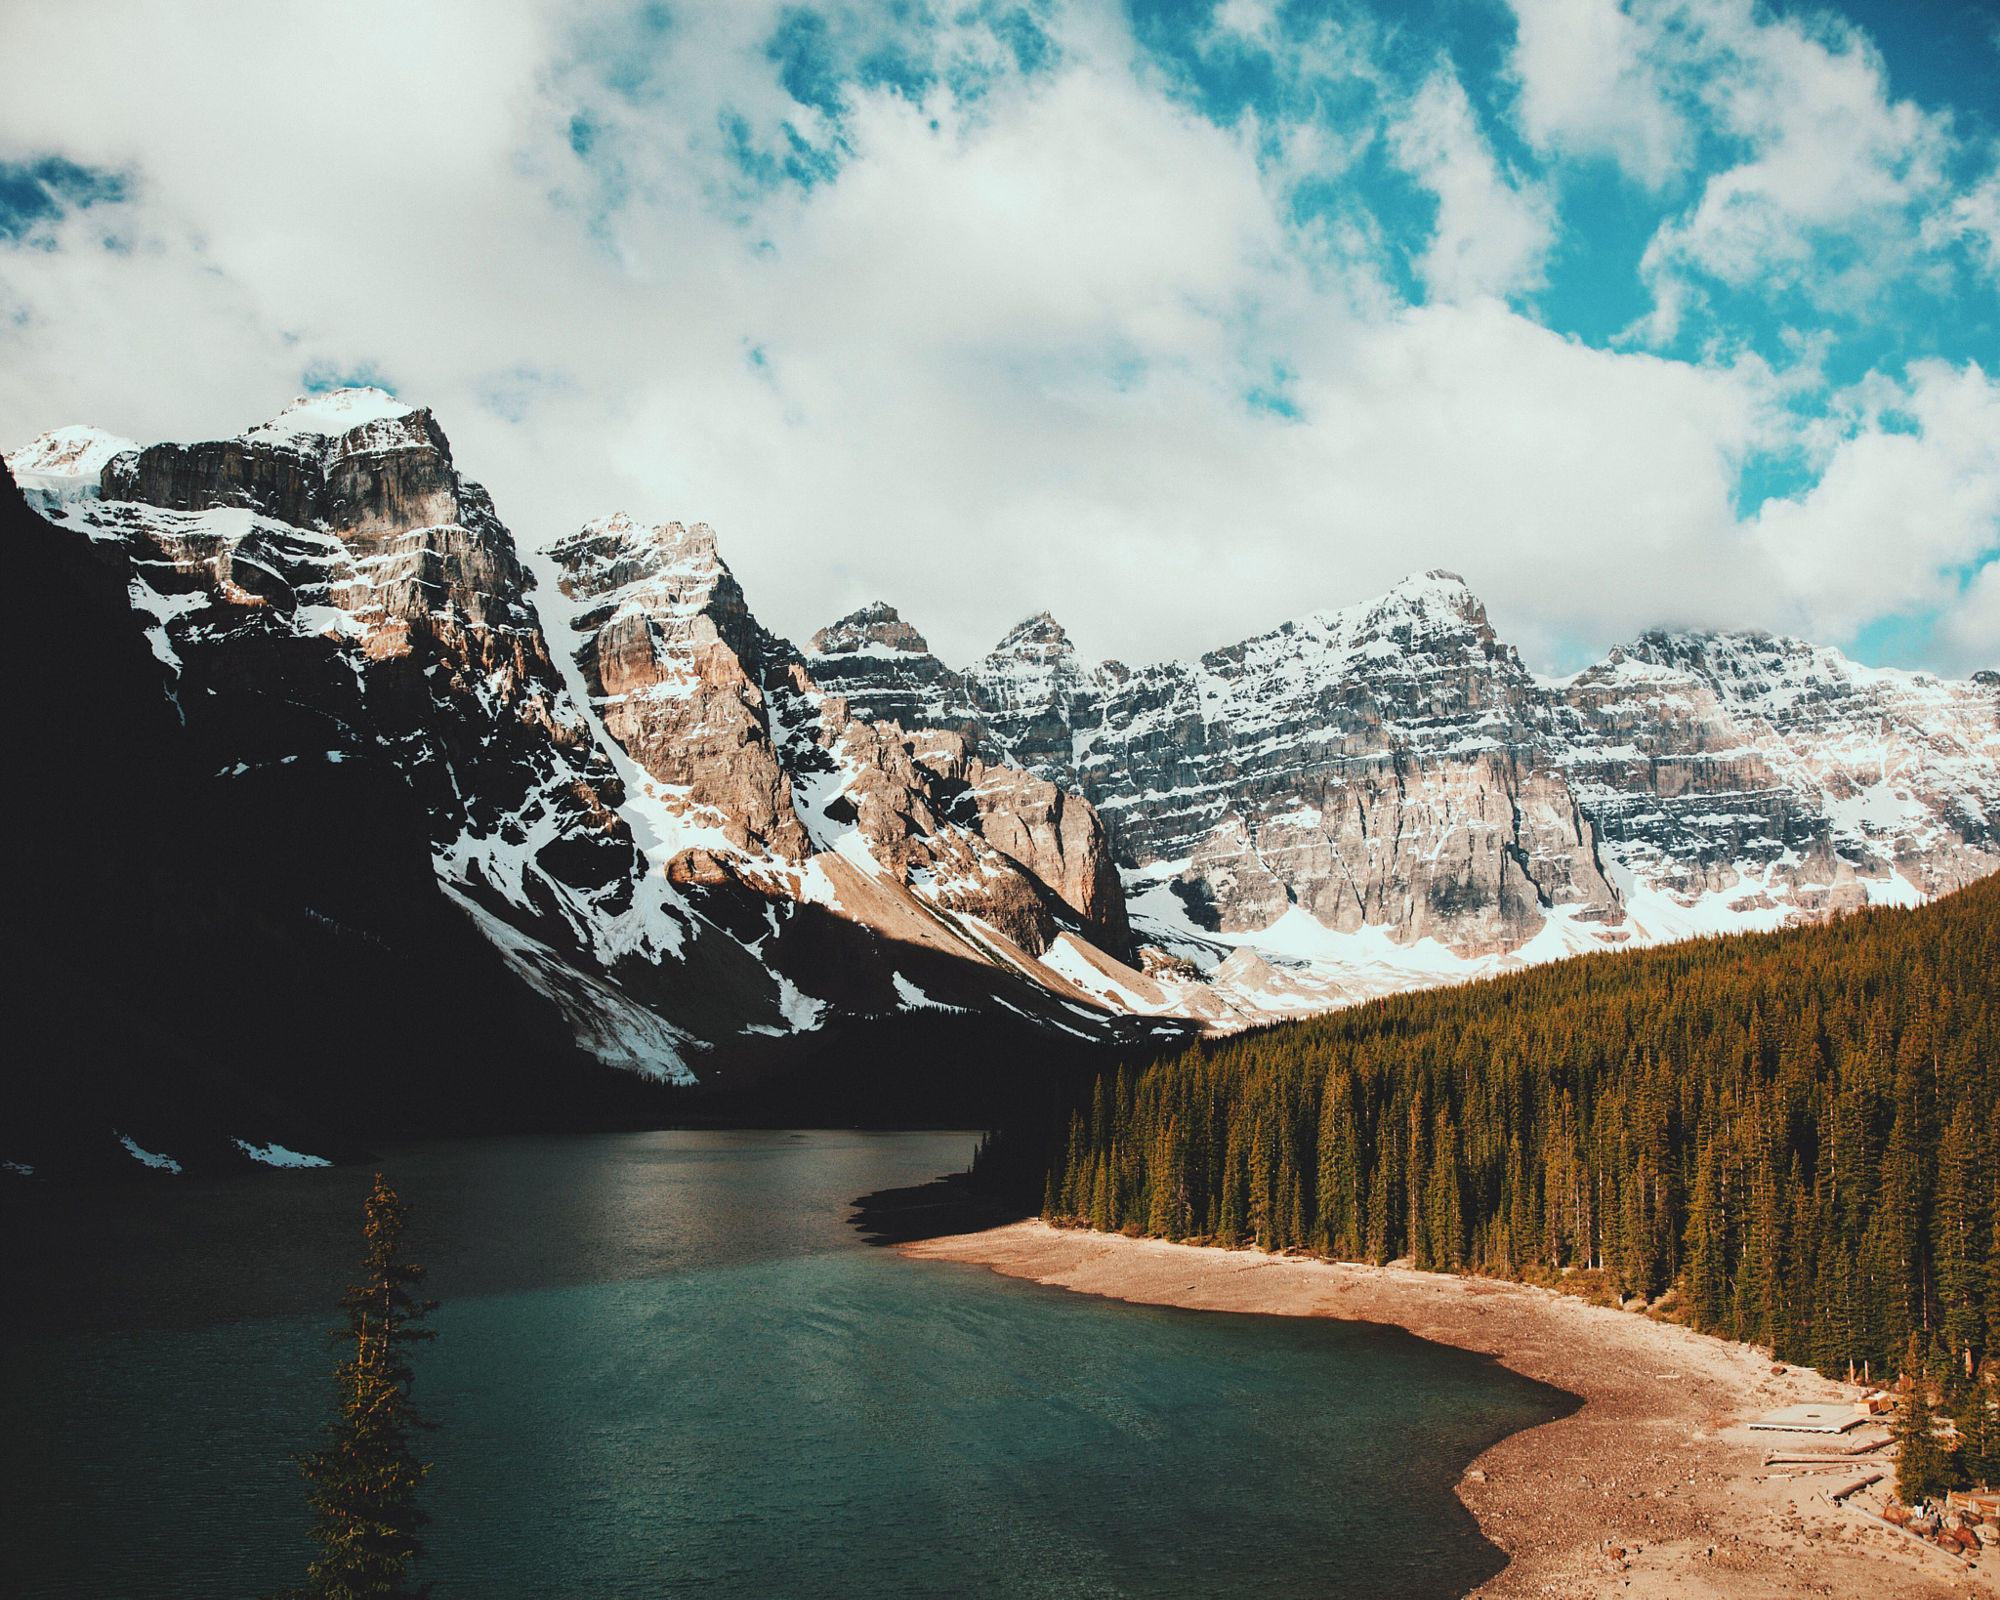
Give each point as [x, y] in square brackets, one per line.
[933, 1210]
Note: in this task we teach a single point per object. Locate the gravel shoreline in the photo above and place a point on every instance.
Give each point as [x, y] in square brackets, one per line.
[1654, 1488]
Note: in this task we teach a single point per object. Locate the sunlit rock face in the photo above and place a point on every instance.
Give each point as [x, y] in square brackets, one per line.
[675, 665]
[1395, 766]
[747, 737]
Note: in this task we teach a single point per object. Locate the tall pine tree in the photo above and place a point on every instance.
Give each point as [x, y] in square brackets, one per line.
[364, 1479]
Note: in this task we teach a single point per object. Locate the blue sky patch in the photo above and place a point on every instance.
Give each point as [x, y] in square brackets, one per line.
[322, 376]
[37, 194]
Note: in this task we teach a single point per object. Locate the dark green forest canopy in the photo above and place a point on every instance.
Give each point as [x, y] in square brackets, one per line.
[1797, 1134]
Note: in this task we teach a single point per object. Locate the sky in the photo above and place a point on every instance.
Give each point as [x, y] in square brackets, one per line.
[1177, 320]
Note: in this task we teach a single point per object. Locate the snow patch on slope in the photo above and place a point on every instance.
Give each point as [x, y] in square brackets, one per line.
[618, 1031]
[797, 1007]
[276, 1155]
[146, 1158]
[911, 998]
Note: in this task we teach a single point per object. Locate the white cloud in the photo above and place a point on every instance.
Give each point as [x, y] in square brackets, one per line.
[1593, 82]
[1493, 235]
[1831, 190]
[1836, 188]
[1000, 362]
[1975, 216]
[1971, 630]
[1831, 155]
[1910, 498]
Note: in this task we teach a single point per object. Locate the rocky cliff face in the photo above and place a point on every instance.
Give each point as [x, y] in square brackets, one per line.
[357, 579]
[747, 754]
[1715, 761]
[699, 843]
[327, 593]
[1394, 770]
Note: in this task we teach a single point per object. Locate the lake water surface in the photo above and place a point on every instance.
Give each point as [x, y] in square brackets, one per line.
[668, 1365]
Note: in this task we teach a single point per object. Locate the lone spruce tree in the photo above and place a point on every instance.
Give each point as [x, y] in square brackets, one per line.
[1923, 1470]
[363, 1480]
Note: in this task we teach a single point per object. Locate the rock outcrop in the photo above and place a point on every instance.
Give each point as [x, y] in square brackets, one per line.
[747, 750]
[327, 593]
[1394, 766]
[696, 841]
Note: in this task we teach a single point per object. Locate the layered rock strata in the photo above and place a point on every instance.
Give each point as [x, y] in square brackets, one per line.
[748, 752]
[1394, 765]
[686, 833]
[327, 593]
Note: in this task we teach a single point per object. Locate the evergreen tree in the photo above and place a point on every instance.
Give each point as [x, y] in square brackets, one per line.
[1922, 1467]
[1708, 1239]
[363, 1481]
[1977, 1417]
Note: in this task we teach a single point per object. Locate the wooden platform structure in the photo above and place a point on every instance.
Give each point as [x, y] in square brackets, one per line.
[1813, 1419]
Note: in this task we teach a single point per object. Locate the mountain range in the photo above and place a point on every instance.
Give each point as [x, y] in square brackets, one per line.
[574, 776]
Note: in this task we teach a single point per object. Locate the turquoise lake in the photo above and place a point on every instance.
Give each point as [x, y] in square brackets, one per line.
[667, 1364]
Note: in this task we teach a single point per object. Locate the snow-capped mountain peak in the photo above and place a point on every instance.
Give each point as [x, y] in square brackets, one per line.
[875, 627]
[79, 451]
[682, 829]
[65, 464]
[1436, 588]
[1418, 614]
[332, 413]
[1388, 778]
[1038, 639]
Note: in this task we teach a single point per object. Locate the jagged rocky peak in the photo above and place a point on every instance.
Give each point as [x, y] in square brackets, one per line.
[1039, 640]
[1424, 649]
[360, 530]
[617, 550]
[884, 669]
[679, 671]
[356, 462]
[665, 584]
[1028, 690]
[1034, 666]
[875, 628]
[1425, 607]
[1429, 620]
[1751, 662]
[783, 754]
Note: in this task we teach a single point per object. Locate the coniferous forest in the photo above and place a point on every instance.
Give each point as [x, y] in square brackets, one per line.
[1791, 1139]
